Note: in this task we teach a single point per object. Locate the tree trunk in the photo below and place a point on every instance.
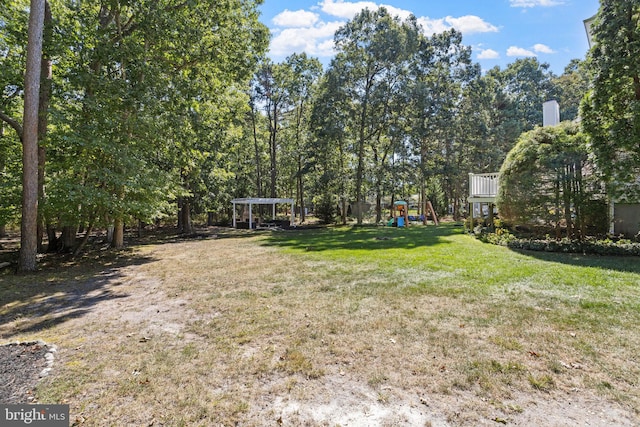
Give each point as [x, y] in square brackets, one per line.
[360, 175]
[52, 239]
[423, 196]
[566, 196]
[256, 147]
[3, 230]
[301, 191]
[185, 215]
[273, 151]
[43, 115]
[456, 208]
[83, 242]
[343, 211]
[118, 234]
[361, 151]
[579, 201]
[29, 223]
[343, 197]
[68, 238]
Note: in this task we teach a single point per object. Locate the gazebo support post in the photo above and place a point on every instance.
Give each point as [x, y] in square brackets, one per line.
[292, 219]
[234, 214]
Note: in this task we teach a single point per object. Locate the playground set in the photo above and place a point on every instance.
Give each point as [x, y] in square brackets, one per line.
[400, 214]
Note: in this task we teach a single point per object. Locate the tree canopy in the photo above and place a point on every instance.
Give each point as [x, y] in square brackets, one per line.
[611, 111]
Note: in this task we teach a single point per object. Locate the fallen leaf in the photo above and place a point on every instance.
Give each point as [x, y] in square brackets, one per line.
[79, 420]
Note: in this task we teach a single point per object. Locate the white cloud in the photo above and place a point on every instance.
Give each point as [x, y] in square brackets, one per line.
[488, 54]
[295, 19]
[346, 10]
[467, 24]
[316, 40]
[470, 24]
[326, 48]
[535, 3]
[541, 48]
[519, 51]
[432, 26]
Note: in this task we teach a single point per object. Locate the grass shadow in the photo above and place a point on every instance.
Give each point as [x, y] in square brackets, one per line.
[363, 238]
[626, 264]
[60, 291]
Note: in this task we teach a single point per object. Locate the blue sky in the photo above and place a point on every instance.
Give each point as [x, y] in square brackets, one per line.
[499, 31]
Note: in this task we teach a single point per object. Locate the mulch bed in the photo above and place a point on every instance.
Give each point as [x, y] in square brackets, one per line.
[21, 366]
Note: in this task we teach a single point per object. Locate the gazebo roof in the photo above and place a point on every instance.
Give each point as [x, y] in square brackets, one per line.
[260, 200]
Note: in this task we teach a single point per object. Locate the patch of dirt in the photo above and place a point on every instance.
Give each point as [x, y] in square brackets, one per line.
[344, 401]
[339, 400]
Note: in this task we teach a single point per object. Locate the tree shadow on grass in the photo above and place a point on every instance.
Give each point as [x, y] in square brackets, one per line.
[58, 293]
[626, 264]
[363, 238]
[66, 288]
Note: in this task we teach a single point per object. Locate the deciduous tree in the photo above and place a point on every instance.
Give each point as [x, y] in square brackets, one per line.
[611, 111]
[371, 48]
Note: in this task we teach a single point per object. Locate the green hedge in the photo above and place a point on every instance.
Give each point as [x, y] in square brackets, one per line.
[588, 246]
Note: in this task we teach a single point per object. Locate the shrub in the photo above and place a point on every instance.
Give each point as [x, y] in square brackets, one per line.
[503, 237]
[548, 179]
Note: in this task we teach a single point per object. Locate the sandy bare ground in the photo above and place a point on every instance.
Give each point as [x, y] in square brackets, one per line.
[137, 354]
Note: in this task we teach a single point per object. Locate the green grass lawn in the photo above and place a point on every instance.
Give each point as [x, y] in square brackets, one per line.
[459, 261]
[561, 307]
[574, 289]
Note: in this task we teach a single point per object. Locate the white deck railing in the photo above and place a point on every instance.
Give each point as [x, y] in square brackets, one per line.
[483, 184]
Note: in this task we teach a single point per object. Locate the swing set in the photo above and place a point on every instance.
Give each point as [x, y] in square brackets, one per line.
[400, 214]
